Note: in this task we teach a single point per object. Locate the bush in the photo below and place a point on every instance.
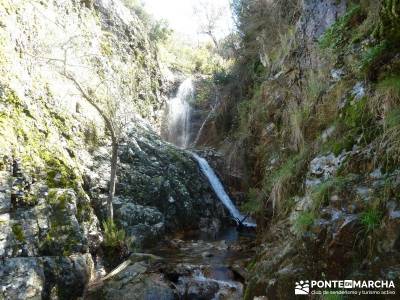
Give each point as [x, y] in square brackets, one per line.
[113, 237]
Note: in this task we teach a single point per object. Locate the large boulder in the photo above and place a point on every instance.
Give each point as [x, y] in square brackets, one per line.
[159, 187]
[134, 282]
[45, 277]
[145, 223]
[158, 174]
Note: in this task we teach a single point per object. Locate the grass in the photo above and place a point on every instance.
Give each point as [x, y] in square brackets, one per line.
[303, 222]
[355, 125]
[336, 36]
[18, 232]
[322, 193]
[371, 219]
[372, 56]
[387, 96]
[392, 119]
[253, 202]
[297, 116]
[286, 181]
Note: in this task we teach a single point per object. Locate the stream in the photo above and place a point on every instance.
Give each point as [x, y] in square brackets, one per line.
[203, 265]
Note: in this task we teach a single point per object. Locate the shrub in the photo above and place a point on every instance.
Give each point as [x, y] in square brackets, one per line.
[113, 237]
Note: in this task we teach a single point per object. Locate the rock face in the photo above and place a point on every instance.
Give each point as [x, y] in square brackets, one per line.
[48, 133]
[45, 277]
[159, 188]
[336, 181]
[136, 282]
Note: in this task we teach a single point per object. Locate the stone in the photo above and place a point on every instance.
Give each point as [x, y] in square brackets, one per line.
[134, 282]
[145, 224]
[22, 278]
[358, 90]
[324, 166]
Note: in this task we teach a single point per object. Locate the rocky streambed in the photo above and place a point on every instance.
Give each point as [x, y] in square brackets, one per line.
[190, 265]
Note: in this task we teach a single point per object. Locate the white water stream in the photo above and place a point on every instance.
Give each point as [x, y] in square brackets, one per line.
[178, 120]
[179, 115]
[220, 191]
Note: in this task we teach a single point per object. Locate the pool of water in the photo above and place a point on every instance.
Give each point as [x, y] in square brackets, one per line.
[207, 266]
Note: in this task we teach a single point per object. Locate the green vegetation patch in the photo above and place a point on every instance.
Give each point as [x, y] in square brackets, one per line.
[371, 219]
[338, 34]
[303, 221]
[322, 193]
[59, 175]
[18, 232]
[113, 236]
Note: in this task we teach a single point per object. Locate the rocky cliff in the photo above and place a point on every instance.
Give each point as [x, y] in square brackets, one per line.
[55, 151]
[307, 119]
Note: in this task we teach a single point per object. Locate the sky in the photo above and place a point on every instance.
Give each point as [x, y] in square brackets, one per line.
[179, 14]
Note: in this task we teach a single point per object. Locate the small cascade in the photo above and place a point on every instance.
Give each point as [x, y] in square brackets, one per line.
[178, 115]
[220, 191]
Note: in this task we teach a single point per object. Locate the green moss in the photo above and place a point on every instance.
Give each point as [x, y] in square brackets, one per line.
[59, 175]
[18, 232]
[355, 125]
[62, 236]
[11, 98]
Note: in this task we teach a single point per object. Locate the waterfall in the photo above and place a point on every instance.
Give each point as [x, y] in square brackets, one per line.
[220, 191]
[178, 115]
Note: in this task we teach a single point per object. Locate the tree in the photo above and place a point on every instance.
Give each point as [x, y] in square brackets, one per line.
[111, 127]
[98, 65]
[110, 97]
[209, 14]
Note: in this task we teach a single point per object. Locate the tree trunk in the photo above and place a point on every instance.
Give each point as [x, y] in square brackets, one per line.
[114, 139]
[113, 177]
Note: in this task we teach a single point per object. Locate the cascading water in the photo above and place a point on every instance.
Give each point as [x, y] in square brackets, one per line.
[220, 191]
[178, 115]
[178, 120]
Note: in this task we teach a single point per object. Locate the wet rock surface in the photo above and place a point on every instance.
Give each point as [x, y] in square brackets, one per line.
[159, 188]
[193, 266]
